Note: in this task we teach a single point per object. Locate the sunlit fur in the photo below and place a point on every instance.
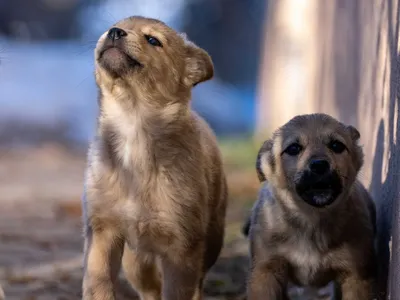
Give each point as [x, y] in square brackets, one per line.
[155, 190]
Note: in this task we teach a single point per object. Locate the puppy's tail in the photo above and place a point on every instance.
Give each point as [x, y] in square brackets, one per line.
[246, 227]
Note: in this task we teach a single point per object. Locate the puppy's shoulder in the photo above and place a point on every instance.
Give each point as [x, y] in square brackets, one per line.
[360, 191]
[266, 196]
[96, 153]
[206, 139]
[202, 127]
[100, 165]
[364, 204]
[266, 208]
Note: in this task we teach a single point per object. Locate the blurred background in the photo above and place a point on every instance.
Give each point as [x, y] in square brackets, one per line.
[273, 59]
[47, 48]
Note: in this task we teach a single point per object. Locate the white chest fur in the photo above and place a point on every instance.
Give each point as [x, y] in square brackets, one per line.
[306, 260]
[131, 146]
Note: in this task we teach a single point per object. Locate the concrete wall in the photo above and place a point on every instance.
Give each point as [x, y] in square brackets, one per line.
[348, 61]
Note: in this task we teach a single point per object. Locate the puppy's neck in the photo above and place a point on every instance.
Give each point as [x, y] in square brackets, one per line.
[311, 219]
[124, 101]
[135, 127]
[141, 91]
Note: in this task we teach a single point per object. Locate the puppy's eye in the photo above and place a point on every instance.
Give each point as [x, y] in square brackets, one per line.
[153, 41]
[336, 146]
[293, 149]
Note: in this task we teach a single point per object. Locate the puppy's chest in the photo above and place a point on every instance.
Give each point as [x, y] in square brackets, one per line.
[308, 265]
[129, 199]
[130, 146]
[145, 216]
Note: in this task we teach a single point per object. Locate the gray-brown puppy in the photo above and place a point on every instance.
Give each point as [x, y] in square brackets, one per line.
[155, 190]
[314, 222]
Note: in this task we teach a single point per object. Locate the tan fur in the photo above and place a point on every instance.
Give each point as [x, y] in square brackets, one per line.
[155, 197]
[292, 241]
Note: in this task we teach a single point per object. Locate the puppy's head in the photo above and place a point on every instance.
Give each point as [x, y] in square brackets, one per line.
[151, 55]
[314, 157]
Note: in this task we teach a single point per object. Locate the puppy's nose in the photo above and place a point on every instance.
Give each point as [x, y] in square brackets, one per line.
[116, 33]
[319, 166]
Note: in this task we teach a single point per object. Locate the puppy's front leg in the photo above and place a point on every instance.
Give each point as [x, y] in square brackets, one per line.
[103, 253]
[182, 278]
[268, 280]
[355, 288]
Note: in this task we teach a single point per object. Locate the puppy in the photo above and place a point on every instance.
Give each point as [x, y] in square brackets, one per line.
[313, 222]
[155, 189]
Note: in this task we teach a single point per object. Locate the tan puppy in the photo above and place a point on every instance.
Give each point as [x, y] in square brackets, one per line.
[155, 183]
[314, 222]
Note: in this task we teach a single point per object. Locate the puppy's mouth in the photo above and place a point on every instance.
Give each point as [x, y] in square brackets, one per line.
[319, 191]
[116, 59]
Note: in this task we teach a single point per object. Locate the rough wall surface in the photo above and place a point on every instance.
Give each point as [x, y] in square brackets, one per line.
[354, 76]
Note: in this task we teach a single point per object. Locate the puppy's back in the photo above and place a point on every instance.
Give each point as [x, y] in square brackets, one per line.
[212, 158]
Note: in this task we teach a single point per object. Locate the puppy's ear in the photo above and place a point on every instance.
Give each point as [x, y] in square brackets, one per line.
[354, 133]
[265, 148]
[199, 66]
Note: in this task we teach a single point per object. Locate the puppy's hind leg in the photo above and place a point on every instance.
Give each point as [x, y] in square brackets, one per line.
[182, 277]
[142, 273]
[103, 252]
[198, 295]
[354, 287]
[268, 280]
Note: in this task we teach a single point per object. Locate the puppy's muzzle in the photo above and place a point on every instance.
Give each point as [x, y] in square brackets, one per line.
[115, 38]
[114, 55]
[319, 185]
[116, 33]
[319, 166]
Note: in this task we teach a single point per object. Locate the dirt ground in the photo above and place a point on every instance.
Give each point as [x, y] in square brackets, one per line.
[40, 229]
